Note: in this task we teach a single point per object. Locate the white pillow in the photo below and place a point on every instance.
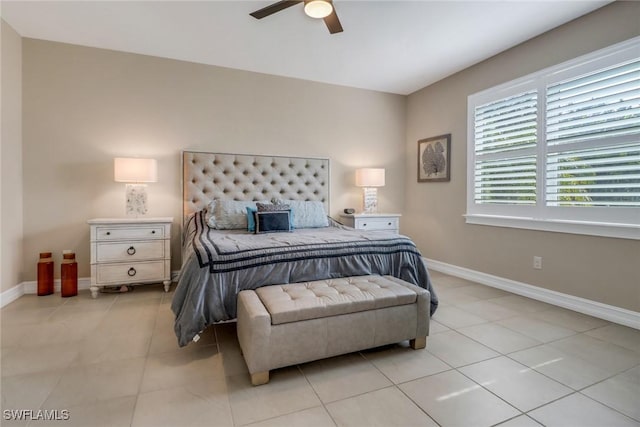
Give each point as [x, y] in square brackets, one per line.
[306, 214]
[232, 214]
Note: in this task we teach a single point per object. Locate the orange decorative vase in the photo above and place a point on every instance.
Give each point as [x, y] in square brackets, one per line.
[45, 274]
[69, 275]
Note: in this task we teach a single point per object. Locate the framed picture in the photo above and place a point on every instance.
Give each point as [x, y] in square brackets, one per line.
[434, 159]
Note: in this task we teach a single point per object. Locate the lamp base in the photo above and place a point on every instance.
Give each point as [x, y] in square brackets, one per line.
[136, 199]
[370, 200]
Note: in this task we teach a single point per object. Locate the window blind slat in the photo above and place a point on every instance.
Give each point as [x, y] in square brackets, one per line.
[571, 180]
[558, 188]
[516, 142]
[518, 181]
[569, 168]
[589, 203]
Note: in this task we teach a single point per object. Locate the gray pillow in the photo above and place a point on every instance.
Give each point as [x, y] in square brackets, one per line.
[209, 215]
[306, 213]
[232, 214]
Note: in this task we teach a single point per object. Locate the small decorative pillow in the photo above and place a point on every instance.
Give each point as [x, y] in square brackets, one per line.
[251, 219]
[270, 207]
[272, 221]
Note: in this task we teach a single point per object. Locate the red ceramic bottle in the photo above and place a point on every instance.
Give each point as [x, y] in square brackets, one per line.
[69, 275]
[45, 274]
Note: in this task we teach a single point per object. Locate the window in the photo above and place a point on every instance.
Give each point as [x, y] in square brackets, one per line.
[559, 150]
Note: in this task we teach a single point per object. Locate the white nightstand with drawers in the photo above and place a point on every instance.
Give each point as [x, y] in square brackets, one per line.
[373, 222]
[126, 251]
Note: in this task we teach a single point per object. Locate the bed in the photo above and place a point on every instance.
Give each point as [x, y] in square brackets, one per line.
[217, 264]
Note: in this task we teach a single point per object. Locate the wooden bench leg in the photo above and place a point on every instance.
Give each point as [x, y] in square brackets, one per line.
[418, 343]
[260, 378]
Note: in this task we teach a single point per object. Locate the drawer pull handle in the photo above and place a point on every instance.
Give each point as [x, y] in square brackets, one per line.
[153, 231]
[364, 225]
[131, 272]
[389, 224]
[131, 250]
[108, 233]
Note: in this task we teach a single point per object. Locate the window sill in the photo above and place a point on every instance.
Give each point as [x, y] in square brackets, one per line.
[620, 231]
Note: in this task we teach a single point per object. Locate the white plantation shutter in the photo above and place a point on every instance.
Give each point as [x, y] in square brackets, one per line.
[608, 176]
[505, 160]
[559, 150]
[587, 119]
[604, 104]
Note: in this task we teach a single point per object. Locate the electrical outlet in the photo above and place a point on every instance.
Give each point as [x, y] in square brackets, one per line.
[537, 262]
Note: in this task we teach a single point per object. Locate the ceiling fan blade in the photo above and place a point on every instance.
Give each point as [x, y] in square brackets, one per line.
[333, 23]
[273, 8]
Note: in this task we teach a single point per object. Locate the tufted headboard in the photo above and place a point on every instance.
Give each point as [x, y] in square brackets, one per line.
[208, 176]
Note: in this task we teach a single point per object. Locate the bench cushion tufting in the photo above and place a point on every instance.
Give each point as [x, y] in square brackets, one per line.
[324, 298]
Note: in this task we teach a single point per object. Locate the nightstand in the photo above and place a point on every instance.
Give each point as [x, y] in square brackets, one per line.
[127, 251]
[373, 222]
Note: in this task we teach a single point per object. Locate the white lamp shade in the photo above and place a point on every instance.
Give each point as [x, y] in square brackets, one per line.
[370, 177]
[127, 169]
[318, 8]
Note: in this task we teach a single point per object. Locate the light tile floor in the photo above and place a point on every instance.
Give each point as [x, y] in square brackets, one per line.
[492, 358]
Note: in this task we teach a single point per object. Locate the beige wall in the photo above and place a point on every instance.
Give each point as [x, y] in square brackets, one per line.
[600, 269]
[11, 159]
[85, 106]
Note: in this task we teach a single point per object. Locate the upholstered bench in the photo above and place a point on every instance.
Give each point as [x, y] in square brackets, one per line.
[282, 325]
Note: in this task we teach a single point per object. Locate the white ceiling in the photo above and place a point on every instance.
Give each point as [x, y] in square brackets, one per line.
[389, 46]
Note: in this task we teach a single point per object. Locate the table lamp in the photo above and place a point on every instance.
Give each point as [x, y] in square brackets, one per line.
[369, 179]
[136, 173]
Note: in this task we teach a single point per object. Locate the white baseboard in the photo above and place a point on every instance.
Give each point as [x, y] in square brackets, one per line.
[11, 294]
[31, 287]
[581, 305]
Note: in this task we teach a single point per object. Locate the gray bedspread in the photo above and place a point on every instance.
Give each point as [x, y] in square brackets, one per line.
[217, 264]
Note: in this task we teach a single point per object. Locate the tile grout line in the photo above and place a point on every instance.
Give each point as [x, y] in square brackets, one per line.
[396, 386]
[324, 406]
[146, 359]
[226, 383]
[605, 405]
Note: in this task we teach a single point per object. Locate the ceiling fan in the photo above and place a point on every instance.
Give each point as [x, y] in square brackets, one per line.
[314, 8]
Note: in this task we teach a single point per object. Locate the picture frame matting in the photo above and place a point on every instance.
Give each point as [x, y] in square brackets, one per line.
[434, 159]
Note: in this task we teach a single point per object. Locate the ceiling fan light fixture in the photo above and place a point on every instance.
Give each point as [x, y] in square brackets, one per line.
[318, 8]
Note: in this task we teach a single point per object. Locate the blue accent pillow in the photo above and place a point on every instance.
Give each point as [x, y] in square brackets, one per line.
[272, 222]
[251, 219]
